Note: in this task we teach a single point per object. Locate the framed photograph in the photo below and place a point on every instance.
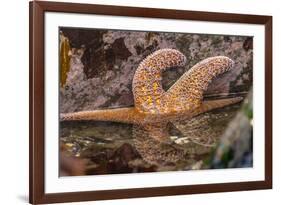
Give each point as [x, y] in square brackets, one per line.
[139, 102]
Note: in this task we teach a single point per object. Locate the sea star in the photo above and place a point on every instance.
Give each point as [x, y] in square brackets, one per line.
[154, 107]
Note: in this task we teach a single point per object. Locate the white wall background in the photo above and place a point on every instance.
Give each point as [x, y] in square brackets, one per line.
[14, 100]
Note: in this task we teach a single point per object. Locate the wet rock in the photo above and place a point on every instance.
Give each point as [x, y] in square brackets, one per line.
[110, 59]
[124, 159]
[70, 165]
[118, 162]
[236, 145]
[248, 43]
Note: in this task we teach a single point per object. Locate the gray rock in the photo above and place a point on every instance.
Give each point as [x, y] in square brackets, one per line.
[102, 76]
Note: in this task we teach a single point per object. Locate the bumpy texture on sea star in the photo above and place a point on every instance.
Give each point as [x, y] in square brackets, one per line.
[155, 108]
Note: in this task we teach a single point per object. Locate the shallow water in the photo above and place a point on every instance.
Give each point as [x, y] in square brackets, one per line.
[108, 147]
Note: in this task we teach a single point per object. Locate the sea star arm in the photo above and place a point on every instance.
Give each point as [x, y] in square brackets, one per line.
[209, 105]
[125, 115]
[187, 92]
[147, 88]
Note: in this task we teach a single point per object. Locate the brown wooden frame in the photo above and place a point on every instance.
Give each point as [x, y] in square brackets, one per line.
[36, 100]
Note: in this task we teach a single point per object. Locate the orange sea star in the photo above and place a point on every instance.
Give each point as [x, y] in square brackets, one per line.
[154, 107]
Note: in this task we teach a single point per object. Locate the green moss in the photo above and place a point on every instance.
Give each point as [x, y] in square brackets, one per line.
[248, 111]
[226, 157]
[208, 160]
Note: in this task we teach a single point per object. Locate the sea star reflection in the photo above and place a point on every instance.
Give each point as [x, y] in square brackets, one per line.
[154, 107]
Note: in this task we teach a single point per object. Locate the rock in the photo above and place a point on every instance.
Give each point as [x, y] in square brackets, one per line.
[69, 165]
[236, 145]
[110, 59]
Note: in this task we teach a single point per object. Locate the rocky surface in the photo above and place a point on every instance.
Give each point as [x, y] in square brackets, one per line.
[102, 65]
[102, 76]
